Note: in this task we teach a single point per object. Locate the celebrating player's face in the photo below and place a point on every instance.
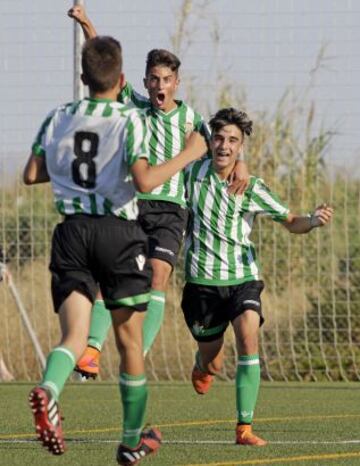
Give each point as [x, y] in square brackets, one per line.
[161, 83]
[226, 144]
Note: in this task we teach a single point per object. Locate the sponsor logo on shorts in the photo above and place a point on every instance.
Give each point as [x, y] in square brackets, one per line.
[166, 251]
[140, 260]
[252, 301]
[197, 328]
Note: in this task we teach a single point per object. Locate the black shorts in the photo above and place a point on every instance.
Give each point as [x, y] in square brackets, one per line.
[164, 223]
[209, 309]
[105, 251]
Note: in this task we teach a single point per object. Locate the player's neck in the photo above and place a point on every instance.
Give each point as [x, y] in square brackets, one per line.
[224, 173]
[108, 95]
[170, 107]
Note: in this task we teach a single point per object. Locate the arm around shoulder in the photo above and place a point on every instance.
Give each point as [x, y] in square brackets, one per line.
[148, 177]
[239, 178]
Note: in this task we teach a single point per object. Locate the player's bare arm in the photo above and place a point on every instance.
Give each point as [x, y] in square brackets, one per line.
[239, 178]
[78, 13]
[303, 224]
[148, 177]
[35, 171]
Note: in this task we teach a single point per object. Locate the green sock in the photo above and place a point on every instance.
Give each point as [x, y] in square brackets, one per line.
[99, 325]
[59, 365]
[153, 318]
[133, 390]
[247, 387]
[198, 362]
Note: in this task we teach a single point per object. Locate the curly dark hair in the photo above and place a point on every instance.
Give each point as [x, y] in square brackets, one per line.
[231, 116]
[161, 57]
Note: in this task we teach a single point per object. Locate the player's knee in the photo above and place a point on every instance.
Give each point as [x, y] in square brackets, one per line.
[160, 282]
[249, 344]
[127, 346]
[161, 274]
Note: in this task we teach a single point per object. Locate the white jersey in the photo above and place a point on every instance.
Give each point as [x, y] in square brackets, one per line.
[89, 147]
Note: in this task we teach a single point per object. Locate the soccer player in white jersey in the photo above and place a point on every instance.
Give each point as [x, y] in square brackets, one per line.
[162, 211]
[223, 283]
[94, 152]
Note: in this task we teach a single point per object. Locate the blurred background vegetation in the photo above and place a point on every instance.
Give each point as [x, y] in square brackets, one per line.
[312, 296]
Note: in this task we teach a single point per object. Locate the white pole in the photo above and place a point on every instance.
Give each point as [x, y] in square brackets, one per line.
[23, 313]
[78, 43]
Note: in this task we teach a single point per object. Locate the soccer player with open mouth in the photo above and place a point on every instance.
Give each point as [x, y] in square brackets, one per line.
[163, 213]
[222, 274]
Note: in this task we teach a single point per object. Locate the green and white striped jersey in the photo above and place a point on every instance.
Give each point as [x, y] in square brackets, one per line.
[218, 250]
[166, 138]
[89, 146]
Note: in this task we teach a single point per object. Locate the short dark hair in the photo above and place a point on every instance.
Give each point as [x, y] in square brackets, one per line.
[231, 116]
[101, 63]
[161, 57]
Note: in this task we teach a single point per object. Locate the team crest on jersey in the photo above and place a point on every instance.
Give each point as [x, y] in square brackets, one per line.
[189, 127]
[140, 260]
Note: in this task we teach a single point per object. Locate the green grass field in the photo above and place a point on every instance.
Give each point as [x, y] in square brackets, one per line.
[305, 424]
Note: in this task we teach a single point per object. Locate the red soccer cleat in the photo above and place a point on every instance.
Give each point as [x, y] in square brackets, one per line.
[150, 441]
[47, 420]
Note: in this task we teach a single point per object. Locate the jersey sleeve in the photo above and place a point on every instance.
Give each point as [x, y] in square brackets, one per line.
[203, 128]
[129, 96]
[135, 138]
[38, 147]
[265, 202]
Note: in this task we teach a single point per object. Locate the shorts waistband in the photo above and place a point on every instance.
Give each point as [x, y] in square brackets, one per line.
[110, 218]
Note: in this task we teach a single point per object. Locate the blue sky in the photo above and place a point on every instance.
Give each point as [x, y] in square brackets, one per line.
[261, 48]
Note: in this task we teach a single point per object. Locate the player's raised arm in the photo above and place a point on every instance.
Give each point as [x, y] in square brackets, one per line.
[148, 177]
[78, 13]
[35, 171]
[303, 224]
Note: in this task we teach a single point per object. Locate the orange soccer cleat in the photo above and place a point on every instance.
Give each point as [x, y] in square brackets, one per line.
[89, 363]
[201, 381]
[245, 436]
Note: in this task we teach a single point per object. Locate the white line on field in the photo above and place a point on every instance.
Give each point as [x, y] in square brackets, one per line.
[197, 442]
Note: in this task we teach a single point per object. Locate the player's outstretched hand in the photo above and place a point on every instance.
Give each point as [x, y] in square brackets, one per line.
[196, 145]
[78, 14]
[322, 215]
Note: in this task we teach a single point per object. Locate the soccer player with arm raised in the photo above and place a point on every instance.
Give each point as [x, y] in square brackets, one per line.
[162, 211]
[223, 283]
[94, 153]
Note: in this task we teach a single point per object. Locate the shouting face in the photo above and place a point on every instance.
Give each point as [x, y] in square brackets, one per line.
[162, 83]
